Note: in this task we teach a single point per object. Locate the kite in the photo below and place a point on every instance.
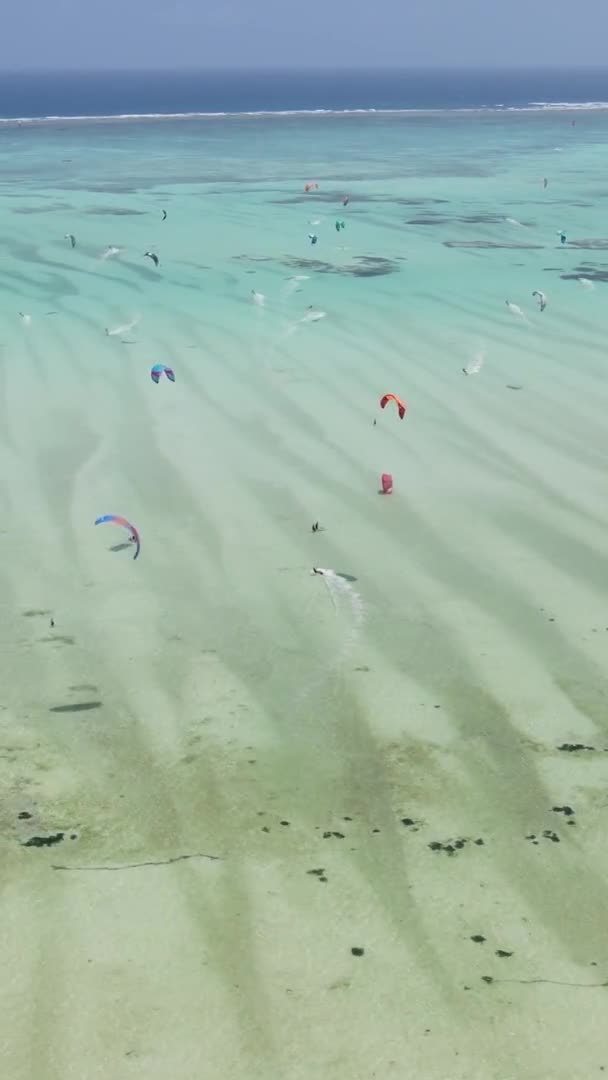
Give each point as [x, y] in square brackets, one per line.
[387, 483]
[161, 369]
[115, 519]
[402, 407]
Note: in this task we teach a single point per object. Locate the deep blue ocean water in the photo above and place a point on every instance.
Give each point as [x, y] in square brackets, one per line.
[27, 95]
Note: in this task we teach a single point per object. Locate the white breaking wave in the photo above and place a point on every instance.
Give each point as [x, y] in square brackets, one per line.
[533, 106]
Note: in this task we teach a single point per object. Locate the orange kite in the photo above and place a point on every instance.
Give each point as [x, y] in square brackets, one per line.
[402, 407]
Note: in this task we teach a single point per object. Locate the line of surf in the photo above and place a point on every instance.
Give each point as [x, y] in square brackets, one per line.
[535, 106]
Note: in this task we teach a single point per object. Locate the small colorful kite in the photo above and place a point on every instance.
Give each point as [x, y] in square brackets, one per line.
[161, 369]
[402, 407]
[115, 519]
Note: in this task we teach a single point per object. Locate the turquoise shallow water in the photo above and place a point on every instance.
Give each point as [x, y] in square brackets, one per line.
[223, 683]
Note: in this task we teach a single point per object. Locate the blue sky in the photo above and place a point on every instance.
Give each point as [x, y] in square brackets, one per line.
[106, 34]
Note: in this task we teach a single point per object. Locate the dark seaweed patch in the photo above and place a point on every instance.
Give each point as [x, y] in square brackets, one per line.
[40, 209]
[598, 244]
[119, 211]
[571, 748]
[482, 219]
[450, 847]
[428, 219]
[44, 841]
[491, 244]
[84, 706]
[363, 266]
[423, 201]
[592, 273]
[321, 196]
[252, 258]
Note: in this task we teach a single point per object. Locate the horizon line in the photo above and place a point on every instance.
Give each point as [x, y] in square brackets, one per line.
[292, 70]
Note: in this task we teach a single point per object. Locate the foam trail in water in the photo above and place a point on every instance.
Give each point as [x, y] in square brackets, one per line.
[517, 311]
[293, 284]
[586, 283]
[514, 221]
[476, 363]
[126, 329]
[348, 604]
[312, 315]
